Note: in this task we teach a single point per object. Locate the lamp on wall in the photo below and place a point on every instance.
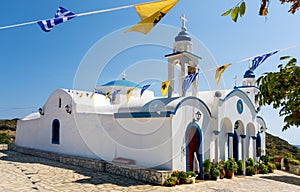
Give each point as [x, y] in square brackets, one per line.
[261, 130]
[68, 109]
[236, 125]
[41, 111]
[197, 116]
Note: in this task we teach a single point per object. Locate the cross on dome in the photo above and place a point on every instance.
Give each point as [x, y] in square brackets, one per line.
[184, 20]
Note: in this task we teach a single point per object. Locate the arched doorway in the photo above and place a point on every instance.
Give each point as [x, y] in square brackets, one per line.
[193, 144]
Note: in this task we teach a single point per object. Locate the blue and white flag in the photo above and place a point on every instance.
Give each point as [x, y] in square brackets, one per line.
[62, 15]
[260, 59]
[144, 89]
[188, 81]
[115, 92]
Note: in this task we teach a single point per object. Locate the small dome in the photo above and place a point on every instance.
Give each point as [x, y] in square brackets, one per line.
[183, 36]
[122, 83]
[249, 74]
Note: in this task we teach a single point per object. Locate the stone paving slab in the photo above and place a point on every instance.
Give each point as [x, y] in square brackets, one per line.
[19, 172]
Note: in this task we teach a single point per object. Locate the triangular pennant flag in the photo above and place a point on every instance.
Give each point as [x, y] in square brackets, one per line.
[92, 95]
[62, 15]
[150, 14]
[219, 71]
[144, 89]
[128, 93]
[260, 59]
[164, 87]
[107, 94]
[189, 79]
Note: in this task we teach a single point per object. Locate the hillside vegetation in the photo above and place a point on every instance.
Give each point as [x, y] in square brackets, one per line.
[276, 146]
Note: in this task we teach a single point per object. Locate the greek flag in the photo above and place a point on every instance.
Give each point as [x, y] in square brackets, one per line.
[260, 59]
[188, 81]
[62, 15]
[144, 89]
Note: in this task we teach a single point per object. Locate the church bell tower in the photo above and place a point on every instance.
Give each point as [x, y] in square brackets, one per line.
[185, 61]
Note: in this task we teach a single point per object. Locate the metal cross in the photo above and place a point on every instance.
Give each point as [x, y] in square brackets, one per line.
[184, 20]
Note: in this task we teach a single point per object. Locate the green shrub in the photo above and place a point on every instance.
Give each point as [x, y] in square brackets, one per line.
[263, 169]
[265, 159]
[294, 161]
[240, 168]
[182, 177]
[271, 167]
[230, 164]
[191, 174]
[249, 162]
[4, 138]
[215, 172]
[206, 166]
[170, 181]
[250, 170]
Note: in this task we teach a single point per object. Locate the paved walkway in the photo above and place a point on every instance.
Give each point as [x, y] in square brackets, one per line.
[19, 172]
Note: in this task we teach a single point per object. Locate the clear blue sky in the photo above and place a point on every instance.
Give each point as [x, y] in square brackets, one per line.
[34, 63]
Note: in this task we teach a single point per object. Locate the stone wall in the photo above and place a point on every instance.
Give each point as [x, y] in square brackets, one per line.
[295, 169]
[3, 146]
[152, 176]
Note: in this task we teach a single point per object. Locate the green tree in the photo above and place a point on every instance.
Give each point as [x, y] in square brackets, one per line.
[281, 90]
[240, 8]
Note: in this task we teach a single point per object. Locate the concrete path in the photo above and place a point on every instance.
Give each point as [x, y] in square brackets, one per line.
[23, 173]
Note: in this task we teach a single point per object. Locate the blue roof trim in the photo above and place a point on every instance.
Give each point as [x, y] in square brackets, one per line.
[236, 90]
[143, 115]
[195, 98]
[246, 87]
[259, 117]
[123, 83]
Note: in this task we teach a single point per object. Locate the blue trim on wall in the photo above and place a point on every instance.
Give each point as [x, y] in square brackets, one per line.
[161, 114]
[200, 155]
[143, 115]
[195, 98]
[237, 87]
[240, 106]
[243, 93]
[259, 117]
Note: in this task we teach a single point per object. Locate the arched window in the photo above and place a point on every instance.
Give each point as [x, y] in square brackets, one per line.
[59, 102]
[55, 131]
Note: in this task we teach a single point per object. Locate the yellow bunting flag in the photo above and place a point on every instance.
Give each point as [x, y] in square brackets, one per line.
[81, 94]
[150, 14]
[128, 93]
[92, 95]
[219, 71]
[164, 87]
[107, 94]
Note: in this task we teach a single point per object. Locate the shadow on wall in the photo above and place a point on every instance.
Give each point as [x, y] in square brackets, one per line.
[284, 179]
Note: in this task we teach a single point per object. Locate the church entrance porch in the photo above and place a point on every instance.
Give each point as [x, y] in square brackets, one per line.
[194, 147]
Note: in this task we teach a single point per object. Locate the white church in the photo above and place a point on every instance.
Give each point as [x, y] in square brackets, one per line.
[156, 132]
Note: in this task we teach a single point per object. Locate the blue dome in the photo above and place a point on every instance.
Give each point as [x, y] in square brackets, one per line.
[122, 83]
[249, 74]
[183, 36]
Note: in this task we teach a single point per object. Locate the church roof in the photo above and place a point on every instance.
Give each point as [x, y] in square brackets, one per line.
[183, 36]
[122, 83]
[249, 74]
